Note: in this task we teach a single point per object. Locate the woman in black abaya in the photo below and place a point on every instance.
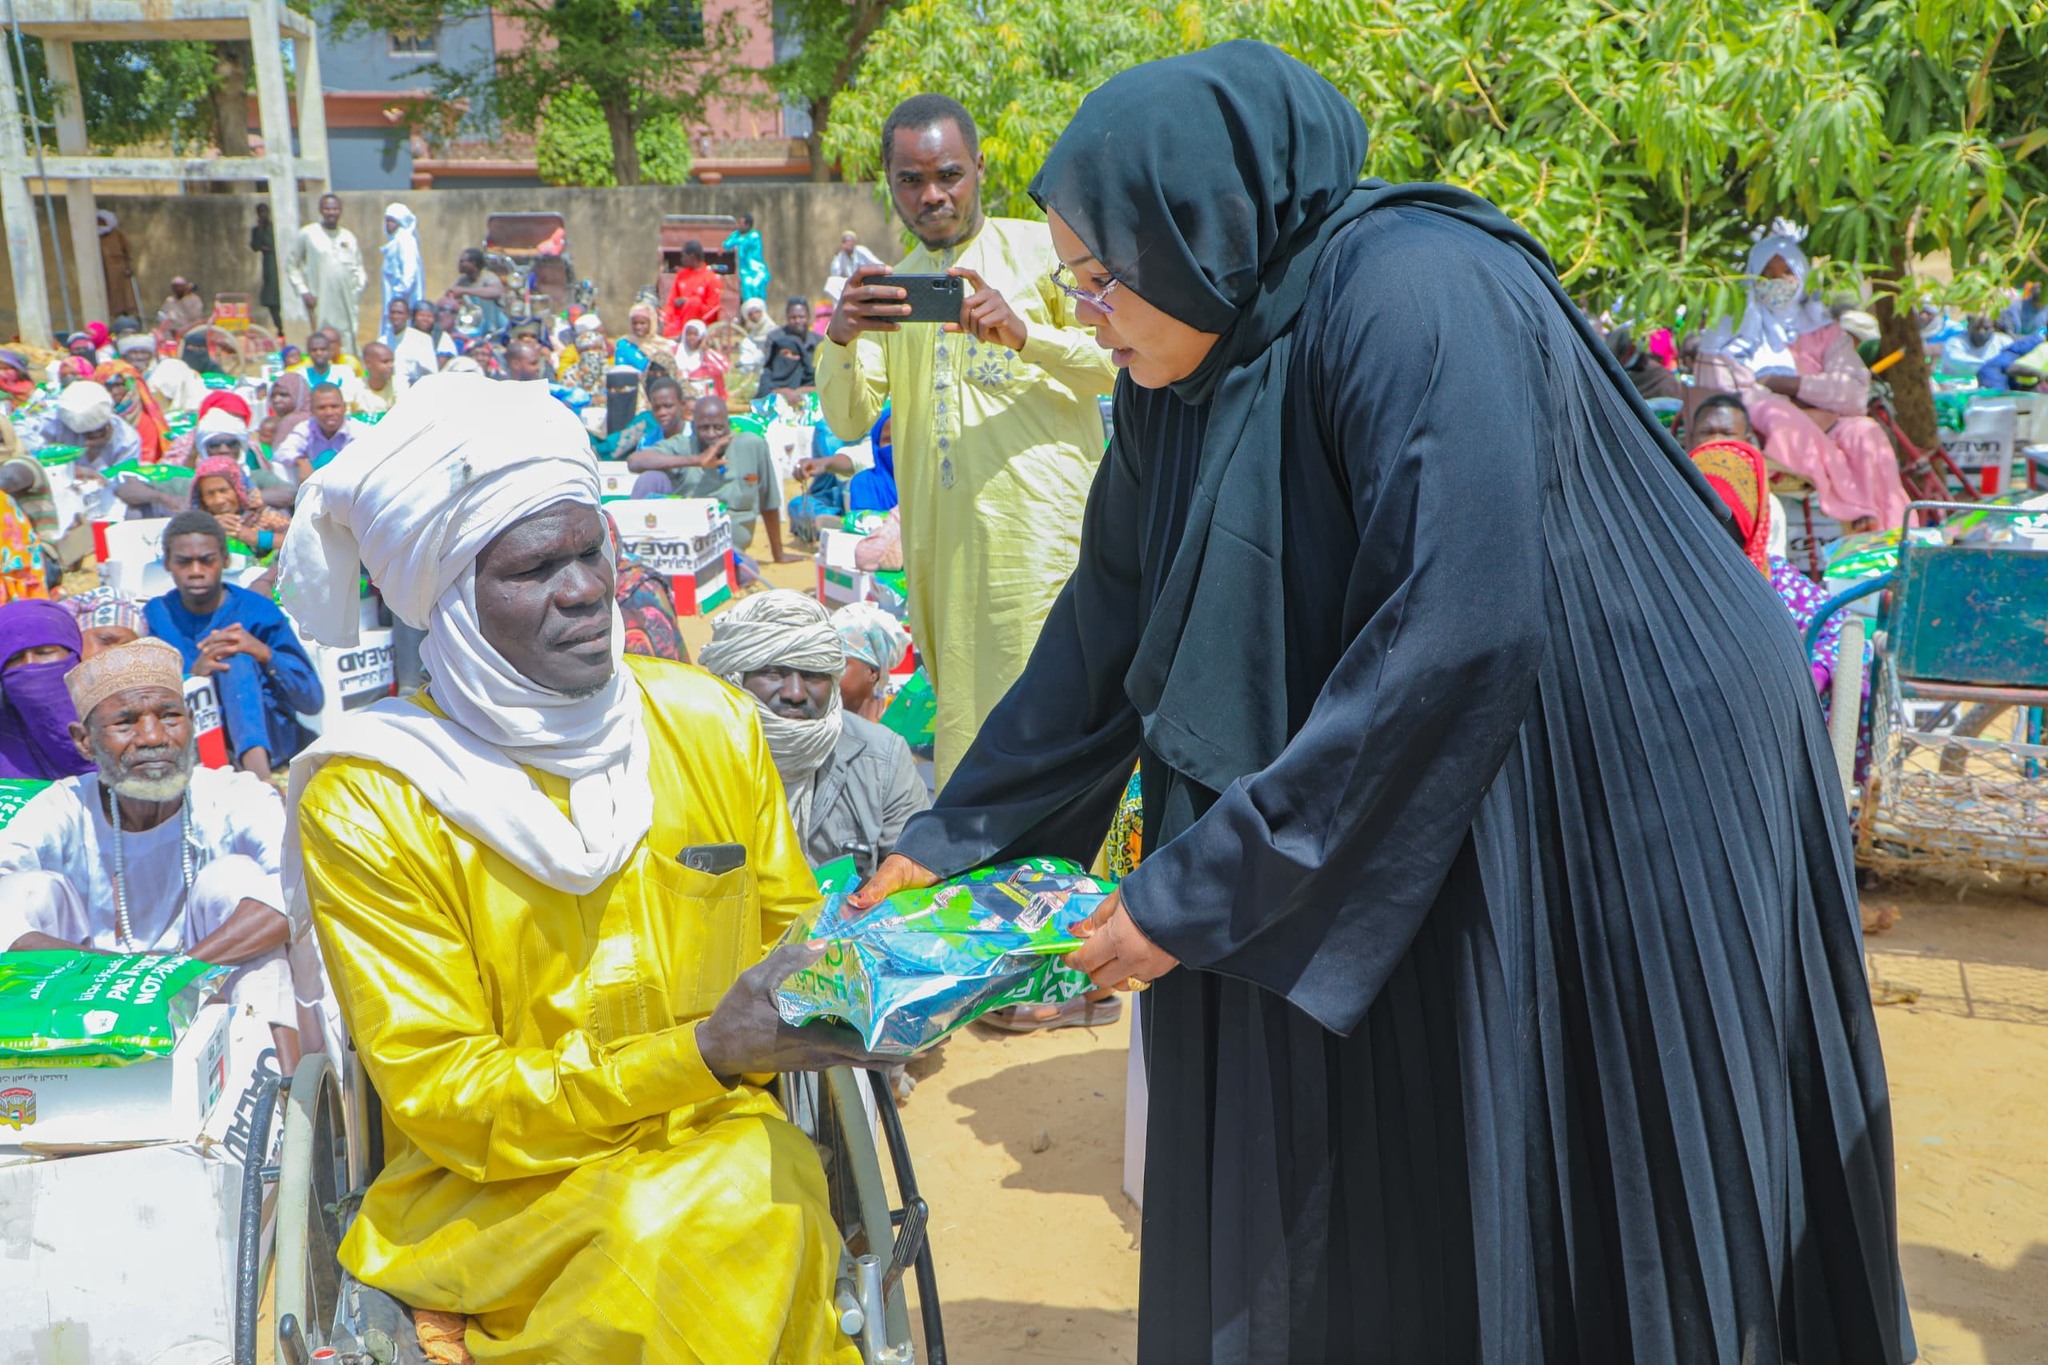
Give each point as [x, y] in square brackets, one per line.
[1508, 999]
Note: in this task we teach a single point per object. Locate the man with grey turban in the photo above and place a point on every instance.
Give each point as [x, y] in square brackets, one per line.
[545, 888]
[851, 784]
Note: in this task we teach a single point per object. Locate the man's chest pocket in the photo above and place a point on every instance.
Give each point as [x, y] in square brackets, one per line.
[707, 928]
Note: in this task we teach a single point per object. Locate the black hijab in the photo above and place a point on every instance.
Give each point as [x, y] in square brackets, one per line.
[1210, 185]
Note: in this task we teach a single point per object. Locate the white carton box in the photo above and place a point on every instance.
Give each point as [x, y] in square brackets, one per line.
[165, 1099]
[614, 481]
[352, 678]
[689, 539]
[127, 1257]
[840, 583]
[1983, 449]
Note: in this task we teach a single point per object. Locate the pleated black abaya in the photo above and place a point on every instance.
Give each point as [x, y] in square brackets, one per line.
[1522, 1015]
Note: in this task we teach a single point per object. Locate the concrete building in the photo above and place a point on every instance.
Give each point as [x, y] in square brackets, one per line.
[373, 81]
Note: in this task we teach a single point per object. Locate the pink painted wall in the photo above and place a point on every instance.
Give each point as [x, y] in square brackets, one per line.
[731, 119]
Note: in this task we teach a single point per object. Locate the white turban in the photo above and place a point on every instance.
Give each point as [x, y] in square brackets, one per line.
[457, 460]
[219, 424]
[85, 406]
[784, 629]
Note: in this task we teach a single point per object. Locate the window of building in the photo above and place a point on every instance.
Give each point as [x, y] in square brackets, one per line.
[416, 42]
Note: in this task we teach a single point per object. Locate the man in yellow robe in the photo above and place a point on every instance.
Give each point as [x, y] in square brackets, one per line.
[996, 422]
[545, 890]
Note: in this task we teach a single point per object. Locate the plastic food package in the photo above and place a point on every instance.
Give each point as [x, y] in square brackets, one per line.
[16, 792]
[913, 712]
[923, 963]
[76, 1008]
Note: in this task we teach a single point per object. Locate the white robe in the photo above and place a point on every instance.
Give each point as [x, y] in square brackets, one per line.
[56, 875]
[329, 266]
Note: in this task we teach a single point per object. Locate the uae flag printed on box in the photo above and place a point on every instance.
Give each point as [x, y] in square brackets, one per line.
[689, 539]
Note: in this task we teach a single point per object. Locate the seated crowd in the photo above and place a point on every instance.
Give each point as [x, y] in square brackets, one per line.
[555, 783]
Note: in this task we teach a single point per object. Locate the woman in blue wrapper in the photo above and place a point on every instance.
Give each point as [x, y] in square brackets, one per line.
[1507, 996]
[874, 488]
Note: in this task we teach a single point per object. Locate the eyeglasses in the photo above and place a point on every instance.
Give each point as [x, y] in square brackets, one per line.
[1064, 281]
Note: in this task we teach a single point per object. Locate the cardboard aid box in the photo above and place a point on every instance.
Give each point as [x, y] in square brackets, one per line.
[202, 703]
[689, 539]
[840, 583]
[130, 555]
[127, 1256]
[163, 1099]
[614, 481]
[354, 677]
[1810, 534]
[1983, 449]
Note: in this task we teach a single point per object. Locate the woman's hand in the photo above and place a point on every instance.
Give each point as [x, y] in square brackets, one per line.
[1116, 952]
[897, 873]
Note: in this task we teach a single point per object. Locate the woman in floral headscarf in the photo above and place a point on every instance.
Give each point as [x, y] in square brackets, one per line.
[16, 383]
[135, 405]
[646, 604]
[219, 486]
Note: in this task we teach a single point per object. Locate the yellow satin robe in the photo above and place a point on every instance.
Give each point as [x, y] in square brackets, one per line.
[995, 452]
[561, 1164]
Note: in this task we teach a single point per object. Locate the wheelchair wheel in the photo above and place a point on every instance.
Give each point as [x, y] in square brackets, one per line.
[829, 1109]
[313, 1178]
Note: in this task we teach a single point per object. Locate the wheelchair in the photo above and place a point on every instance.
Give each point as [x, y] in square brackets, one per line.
[1958, 648]
[331, 1147]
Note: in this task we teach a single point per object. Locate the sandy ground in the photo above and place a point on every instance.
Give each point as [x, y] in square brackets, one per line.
[1018, 1143]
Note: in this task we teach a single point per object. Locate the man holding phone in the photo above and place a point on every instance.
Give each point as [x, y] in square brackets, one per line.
[996, 426]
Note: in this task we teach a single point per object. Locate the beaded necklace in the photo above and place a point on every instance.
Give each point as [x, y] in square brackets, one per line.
[122, 925]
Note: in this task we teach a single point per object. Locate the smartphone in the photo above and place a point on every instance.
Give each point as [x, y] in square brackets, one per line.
[715, 859]
[932, 298]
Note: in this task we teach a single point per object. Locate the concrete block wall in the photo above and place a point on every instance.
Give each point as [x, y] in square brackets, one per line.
[614, 236]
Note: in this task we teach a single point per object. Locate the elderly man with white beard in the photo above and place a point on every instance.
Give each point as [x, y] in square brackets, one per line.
[151, 853]
[852, 784]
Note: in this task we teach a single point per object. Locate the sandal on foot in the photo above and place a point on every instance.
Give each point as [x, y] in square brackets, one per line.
[1080, 1012]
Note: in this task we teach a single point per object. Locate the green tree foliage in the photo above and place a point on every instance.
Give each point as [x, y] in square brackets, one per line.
[1642, 141]
[574, 145]
[643, 62]
[1021, 66]
[826, 40]
[133, 93]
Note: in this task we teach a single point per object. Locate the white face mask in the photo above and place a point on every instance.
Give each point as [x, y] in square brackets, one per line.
[1780, 292]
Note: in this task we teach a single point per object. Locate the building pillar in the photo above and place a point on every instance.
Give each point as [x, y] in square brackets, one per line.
[266, 40]
[312, 105]
[81, 205]
[24, 239]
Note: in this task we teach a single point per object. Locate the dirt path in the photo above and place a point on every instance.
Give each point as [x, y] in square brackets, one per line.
[1019, 1149]
[1037, 1249]
[1966, 1048]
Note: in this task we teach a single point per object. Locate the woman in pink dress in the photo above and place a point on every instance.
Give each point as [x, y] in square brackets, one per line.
[1807, 392]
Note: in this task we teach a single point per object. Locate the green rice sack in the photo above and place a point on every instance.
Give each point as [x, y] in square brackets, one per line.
[90, 1009]
[923, 963]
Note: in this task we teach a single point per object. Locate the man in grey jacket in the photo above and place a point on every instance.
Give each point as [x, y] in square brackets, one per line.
[851, 784]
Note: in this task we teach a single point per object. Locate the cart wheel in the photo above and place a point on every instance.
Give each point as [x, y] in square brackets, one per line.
[313, 1178]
